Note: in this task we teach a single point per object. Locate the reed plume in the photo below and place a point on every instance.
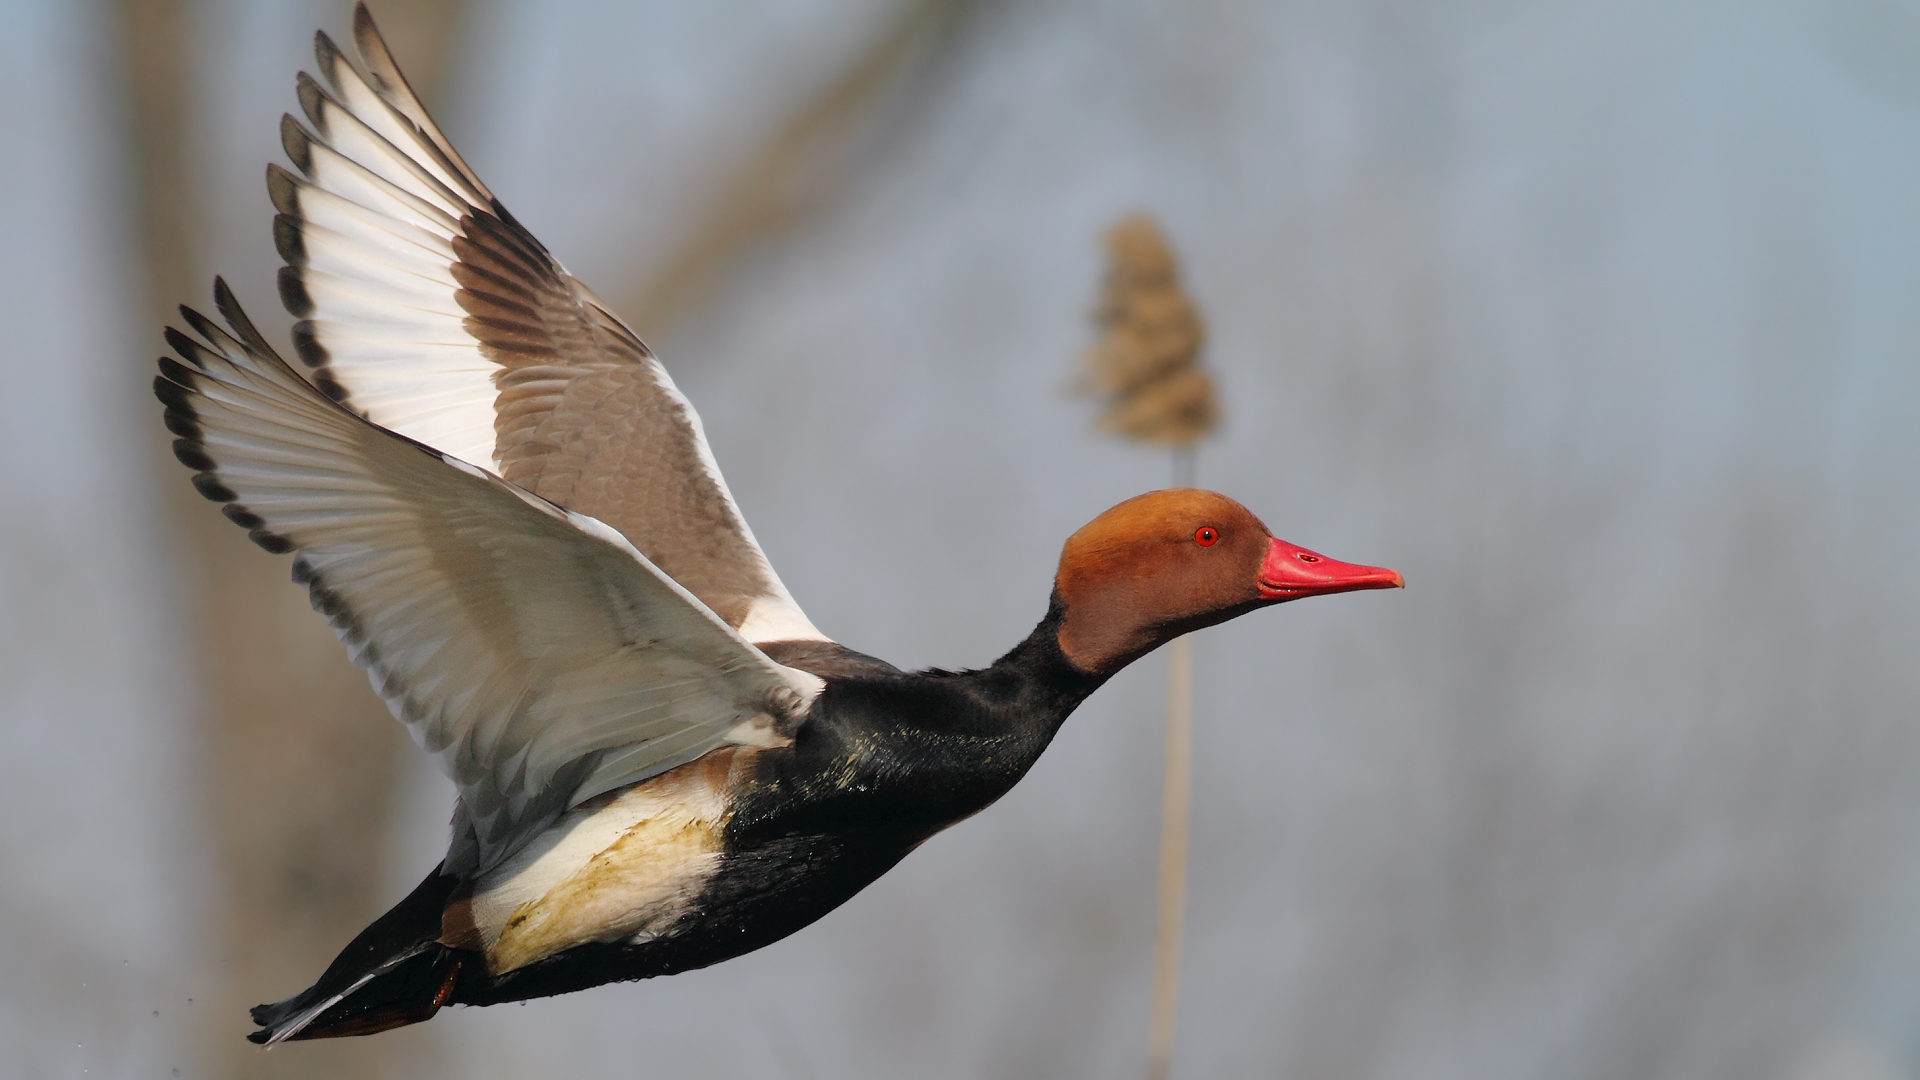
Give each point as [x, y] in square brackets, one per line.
[1146, 364]
[1146, 369]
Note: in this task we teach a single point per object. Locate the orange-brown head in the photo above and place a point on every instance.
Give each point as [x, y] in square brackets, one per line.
[1167, 562]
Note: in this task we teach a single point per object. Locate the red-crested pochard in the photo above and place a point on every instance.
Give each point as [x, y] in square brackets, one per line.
[495, 494]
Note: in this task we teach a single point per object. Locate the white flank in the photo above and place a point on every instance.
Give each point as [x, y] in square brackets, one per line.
[627, 868]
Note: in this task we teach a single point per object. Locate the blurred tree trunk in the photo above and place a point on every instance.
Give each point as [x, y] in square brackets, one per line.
[300, 755]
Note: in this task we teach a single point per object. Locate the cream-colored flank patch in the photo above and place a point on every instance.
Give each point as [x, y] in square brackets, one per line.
[623, 866]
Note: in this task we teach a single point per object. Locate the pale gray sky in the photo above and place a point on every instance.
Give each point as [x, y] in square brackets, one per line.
[1601, 322]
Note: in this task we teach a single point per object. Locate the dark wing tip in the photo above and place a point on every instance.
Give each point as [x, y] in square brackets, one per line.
[202, 326]
[183, 424]
[306, 345]
[187, 349]
[325, 52]
[242, 516]
[177, 376]
[312, 99]
[297, 143]
[330, 386]
[179, 415]
[293, 291]
[250, 337]
[363, 28]
[192, 454]
[338, 613]
[288, 241]
[379, 63]
[383, 76]
[210, 487]
[229, 306]
[175, 387]
[283, 189]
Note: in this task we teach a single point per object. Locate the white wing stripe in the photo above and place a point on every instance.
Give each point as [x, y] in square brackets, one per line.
[399, 304]
[431, 359]
[318, 206]
[359, 100]
[325, 248]
[330, 170]
[349, 135]
[435, 333]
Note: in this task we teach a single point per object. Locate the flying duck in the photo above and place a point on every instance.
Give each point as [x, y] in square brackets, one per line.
[509, 514]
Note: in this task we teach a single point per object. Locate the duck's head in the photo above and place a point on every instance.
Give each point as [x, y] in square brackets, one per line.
[1164, 563]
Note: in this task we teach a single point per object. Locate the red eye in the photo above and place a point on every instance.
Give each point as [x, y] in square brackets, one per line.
[1207, 536]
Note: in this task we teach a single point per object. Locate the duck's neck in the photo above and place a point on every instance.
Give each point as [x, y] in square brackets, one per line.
[917, 751]
[950, 743]
[1034, 687]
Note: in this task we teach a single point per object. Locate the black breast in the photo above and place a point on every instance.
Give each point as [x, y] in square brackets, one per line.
[885, 760]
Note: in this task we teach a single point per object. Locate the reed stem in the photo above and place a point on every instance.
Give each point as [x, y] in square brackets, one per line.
[1176, 798]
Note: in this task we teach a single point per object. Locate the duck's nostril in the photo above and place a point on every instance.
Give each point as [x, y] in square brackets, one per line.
[1304, 557]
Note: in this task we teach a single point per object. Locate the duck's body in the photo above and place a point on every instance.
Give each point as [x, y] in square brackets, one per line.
[723, 855]
[510, 516]
[885, 760]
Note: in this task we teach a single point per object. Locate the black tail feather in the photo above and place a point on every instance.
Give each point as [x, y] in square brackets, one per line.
[412, 973]
[408, 993]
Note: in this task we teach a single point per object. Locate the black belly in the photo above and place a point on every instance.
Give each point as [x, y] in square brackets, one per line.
[758, 896]
[877, 769]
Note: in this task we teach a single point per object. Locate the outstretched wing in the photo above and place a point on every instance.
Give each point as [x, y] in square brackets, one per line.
[540, 656]
[425, 307]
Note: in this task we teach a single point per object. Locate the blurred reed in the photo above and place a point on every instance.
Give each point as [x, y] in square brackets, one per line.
[1146, 370]
[1145, 367]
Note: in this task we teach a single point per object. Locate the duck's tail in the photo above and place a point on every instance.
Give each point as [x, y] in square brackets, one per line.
[394, 974]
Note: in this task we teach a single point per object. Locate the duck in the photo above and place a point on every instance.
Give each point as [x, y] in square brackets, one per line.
[511, 517]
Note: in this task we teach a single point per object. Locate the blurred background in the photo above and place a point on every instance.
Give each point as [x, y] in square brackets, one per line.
[1600, 321]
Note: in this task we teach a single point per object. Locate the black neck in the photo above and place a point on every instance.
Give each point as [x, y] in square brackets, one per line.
[918, 750]
[1034, 685]
[964, 738]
